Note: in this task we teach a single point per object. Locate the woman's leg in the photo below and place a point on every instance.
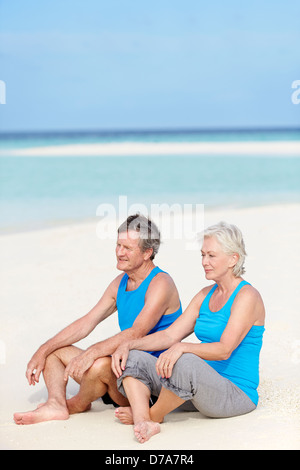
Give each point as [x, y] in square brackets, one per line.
[138, 382]
[167, 402]
[138, 395]
[213, 395]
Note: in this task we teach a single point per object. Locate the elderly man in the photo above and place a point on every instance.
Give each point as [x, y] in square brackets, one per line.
[146, 299]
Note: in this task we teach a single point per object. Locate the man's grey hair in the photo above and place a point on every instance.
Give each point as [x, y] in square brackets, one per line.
[231, 239]
[148, 232]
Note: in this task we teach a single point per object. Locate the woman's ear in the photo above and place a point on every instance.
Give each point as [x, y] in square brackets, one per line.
[234, 259]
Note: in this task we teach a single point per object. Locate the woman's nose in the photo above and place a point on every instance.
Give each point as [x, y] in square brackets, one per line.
[204, 260]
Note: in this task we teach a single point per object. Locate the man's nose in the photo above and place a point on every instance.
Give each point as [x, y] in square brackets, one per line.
[120, 250]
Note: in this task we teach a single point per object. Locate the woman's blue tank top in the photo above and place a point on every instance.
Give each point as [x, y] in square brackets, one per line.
[130, 304]
[242, 367]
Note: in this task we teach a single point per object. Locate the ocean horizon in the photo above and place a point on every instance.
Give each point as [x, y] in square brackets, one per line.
[25, 139]
[44, 192]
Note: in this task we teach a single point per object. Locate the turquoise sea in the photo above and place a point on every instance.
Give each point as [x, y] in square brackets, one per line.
[44, 191]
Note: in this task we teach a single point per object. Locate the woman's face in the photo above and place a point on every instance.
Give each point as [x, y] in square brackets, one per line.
[215, 262]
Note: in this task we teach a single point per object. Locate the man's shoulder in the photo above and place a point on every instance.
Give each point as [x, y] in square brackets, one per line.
[115, 283]
[162, 280]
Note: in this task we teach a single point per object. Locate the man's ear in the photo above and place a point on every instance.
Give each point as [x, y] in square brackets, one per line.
[148, 253]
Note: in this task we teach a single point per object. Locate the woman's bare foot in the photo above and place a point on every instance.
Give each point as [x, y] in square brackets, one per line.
[76, 406]
[124, 414]
[146, 429]
[45, 412]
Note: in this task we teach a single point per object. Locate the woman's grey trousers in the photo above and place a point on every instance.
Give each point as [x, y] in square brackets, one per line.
[192, 380]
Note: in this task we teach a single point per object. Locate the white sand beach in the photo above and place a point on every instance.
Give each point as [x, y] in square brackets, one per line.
[272, 148]
[51, 277]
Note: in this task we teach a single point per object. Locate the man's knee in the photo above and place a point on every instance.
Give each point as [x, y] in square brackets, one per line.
[65, 354]
[101, 369]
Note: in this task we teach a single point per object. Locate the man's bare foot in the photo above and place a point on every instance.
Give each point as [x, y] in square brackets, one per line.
[76, 406]
[146, 429]
[44, 412]
[124, 414]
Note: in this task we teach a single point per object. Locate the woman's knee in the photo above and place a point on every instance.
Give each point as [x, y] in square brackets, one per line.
[186, 365]
[141, 366]
[183, 380]
[140, 358]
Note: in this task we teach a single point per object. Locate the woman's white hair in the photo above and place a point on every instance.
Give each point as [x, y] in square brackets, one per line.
[231, 239]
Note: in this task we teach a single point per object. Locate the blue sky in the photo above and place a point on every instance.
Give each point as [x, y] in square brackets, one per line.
[128, 64]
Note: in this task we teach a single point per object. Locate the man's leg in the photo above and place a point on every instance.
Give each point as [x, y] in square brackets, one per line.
[56, 407]
[96, 382]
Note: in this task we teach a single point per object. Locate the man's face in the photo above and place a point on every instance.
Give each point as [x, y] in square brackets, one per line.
[128, 252]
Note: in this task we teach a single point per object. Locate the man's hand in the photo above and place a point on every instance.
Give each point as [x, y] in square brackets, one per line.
[78, 366]
[119, 359]
[35, 367]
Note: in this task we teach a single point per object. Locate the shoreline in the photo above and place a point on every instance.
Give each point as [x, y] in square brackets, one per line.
[258, 148]
[111, 221]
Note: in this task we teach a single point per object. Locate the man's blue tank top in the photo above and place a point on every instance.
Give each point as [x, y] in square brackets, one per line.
[242, 367]
[130, 304]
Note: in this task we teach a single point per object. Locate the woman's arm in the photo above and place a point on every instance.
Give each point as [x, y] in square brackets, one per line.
[164, 339]
[247, 310]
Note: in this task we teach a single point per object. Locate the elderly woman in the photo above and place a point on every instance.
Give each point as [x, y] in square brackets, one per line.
[218, 375]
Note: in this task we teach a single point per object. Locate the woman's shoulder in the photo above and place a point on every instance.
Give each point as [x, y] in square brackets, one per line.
[200, 296]
[250, 297]
[206, 290]
[248, 292]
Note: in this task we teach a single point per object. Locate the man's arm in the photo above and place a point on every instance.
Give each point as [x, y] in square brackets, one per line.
[76, 331]
[160, 294]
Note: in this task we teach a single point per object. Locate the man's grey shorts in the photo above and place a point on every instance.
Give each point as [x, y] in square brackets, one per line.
[192, 380]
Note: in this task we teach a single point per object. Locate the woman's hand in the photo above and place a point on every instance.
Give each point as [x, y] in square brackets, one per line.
[167, 360]
[119, 359]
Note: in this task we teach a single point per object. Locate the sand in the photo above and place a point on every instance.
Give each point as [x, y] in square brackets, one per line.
[51, 277]
[272, 148]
